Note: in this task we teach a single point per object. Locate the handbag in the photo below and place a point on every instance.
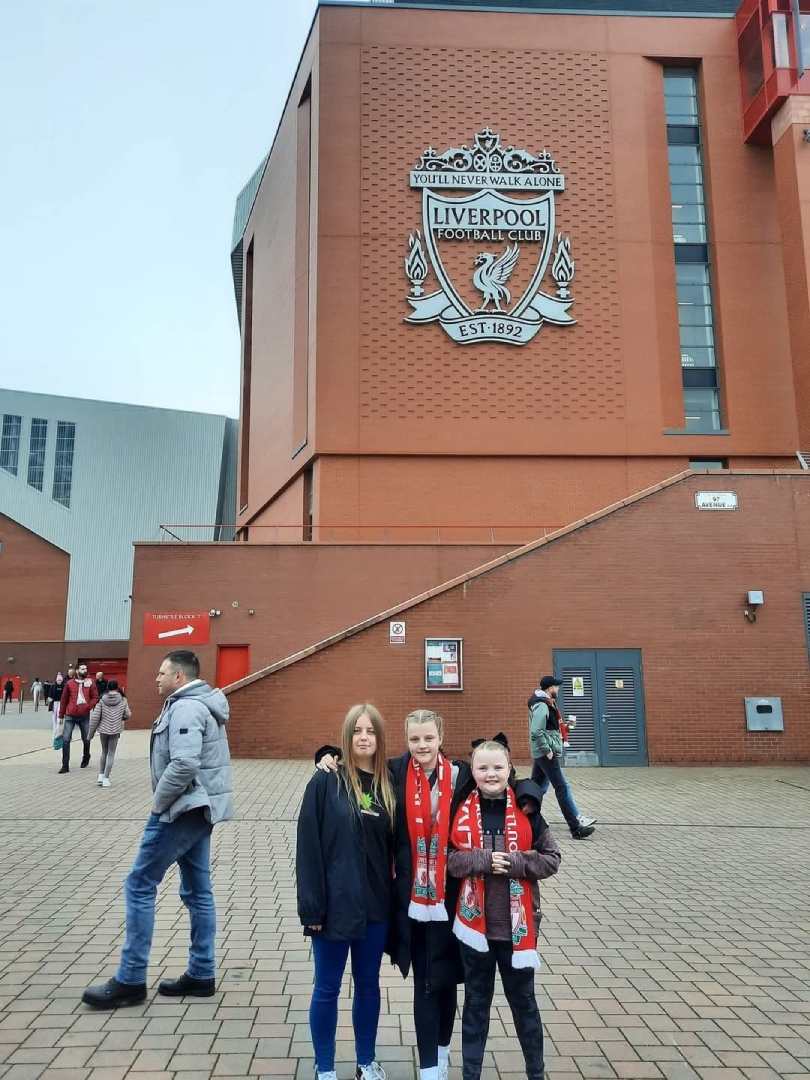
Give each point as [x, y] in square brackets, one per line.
[58, 742]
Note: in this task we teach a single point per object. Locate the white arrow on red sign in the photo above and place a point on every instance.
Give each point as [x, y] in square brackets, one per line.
[177, 633]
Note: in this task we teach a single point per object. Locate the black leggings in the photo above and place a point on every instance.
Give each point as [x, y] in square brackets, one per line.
[518, 985]
[434, 994]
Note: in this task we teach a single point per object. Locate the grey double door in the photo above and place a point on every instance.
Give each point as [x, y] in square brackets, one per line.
[603, 689]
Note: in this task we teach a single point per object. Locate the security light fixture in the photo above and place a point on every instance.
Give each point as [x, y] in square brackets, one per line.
[754, 600]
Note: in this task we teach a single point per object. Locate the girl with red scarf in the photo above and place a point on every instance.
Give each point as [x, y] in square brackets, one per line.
[499, 853]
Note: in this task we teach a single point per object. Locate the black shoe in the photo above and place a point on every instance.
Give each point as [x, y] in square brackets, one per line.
[582, 831]
[113, 994]
[85, 761]
[187, 986]
[65, 768]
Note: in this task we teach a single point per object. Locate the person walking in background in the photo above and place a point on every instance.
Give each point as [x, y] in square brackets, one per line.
[101, 683]
[8, 691]
[344, 873]
[55, 693]
[546, 746]
[79, 697]
[108, 718]
[190, 763]
[36, 692]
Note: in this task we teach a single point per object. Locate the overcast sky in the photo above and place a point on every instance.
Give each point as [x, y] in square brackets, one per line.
[127, 129]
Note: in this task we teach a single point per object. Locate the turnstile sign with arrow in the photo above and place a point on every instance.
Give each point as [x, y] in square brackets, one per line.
[176, 629]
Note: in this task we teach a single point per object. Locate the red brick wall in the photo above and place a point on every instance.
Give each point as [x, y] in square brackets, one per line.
[387, 83]
[33, 584]
[658, 575]
[301, 593]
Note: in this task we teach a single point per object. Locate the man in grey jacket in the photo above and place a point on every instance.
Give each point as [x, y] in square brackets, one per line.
[191, 779]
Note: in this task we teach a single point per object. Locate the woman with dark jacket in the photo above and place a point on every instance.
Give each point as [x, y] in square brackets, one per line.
[344, 872]
[429, 790]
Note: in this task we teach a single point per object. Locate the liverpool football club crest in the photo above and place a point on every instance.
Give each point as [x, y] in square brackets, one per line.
[488, 235]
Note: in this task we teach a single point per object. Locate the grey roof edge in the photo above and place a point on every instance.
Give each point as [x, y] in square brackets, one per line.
[541, 9]
[117, 404]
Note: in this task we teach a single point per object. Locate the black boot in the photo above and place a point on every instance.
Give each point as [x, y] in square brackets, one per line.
[188, 986]
[65, 758]
[112, 994]
[86, 756]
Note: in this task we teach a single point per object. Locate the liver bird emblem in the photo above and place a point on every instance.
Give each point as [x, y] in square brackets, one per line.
[492, 275]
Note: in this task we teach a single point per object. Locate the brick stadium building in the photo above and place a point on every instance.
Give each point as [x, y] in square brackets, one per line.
[525, 324]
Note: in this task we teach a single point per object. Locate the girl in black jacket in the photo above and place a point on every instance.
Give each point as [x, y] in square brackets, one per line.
[344, 862]
[429, 789]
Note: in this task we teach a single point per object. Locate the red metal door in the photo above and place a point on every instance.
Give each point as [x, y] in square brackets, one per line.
[16, 680]
[112, 668]
[233, 663]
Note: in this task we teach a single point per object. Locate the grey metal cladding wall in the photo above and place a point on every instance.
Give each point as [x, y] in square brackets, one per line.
[134, 468]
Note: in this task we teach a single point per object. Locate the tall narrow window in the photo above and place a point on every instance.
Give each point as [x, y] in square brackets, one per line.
[247, 372]
[63, 464]
[308, 503]
[701, 397]
[36, 453]
[10, 443]
[303, 195]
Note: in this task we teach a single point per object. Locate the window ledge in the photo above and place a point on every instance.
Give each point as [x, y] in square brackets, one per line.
[708, 431]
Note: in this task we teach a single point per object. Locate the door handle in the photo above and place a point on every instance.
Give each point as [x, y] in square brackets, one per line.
[605, 717]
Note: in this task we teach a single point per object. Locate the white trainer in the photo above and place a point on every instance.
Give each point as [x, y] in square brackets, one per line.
[586, 821]
[374, 1071]
[105, 781]
[100, 780]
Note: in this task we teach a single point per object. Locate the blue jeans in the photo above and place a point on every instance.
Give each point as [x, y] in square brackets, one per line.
[187, 842]
[330, 963]
[547, 771]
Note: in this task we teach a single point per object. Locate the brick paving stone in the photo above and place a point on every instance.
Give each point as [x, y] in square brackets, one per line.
[636, 1070]
[233, 1065]
[664, 962]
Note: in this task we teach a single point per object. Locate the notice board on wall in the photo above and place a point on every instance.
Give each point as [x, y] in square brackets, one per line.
[443, 664]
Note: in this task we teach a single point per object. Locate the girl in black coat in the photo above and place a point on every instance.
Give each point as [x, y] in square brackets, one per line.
[424, 894]
[344, 863]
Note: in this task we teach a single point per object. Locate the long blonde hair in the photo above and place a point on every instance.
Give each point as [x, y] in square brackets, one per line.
[381, 785]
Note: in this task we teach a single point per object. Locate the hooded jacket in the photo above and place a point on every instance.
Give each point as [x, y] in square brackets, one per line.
[109, 714]
[544, 725]
[189, 756]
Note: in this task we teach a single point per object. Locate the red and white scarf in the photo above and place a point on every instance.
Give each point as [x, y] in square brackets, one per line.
[428, 838]
[470, 925]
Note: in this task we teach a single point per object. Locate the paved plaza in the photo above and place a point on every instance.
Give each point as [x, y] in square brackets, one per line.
[676, 942]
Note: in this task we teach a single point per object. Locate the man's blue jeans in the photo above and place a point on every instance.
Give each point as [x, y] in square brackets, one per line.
[187, 842]
[547, 771]
[330, 963]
